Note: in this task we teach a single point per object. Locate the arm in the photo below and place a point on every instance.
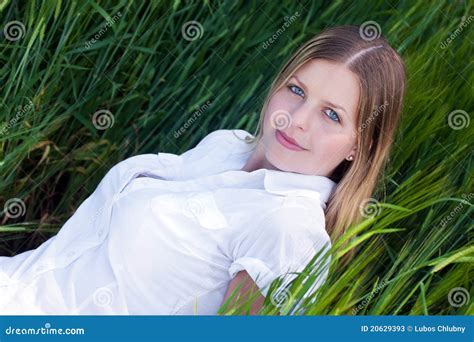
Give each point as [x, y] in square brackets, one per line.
[247, 290]
[282, 243]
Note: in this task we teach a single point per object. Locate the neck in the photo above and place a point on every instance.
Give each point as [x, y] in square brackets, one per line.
[257, 160]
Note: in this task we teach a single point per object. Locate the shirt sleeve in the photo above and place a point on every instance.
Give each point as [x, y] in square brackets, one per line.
[281, 242]
[208, 156]
[162, 165]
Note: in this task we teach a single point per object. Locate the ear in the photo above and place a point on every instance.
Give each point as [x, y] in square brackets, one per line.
[352, 153]
[354, 149]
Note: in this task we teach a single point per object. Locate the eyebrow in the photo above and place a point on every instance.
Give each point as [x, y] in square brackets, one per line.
[325, 101]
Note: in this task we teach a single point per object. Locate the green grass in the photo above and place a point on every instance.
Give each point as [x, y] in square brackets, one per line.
[152, 80]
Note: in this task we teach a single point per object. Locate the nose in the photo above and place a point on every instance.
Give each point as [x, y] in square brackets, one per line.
[301, 116]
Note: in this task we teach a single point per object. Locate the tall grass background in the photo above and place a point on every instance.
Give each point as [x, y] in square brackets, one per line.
[149, 74]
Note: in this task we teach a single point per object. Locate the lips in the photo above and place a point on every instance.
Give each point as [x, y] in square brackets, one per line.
[287, 141]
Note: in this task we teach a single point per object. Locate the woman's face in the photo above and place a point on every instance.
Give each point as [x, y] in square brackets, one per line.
[316, 109]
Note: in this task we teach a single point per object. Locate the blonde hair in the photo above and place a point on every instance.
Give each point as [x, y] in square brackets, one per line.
[382, 78]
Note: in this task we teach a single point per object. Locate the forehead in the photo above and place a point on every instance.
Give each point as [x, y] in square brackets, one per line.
[333, 82]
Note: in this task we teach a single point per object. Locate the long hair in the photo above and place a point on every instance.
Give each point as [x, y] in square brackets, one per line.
[382, 78]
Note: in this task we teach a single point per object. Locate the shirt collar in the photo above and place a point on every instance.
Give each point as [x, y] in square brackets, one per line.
[283, 182]
[290, 183]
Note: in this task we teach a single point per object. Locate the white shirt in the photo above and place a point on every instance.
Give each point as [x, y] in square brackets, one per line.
[164, 234]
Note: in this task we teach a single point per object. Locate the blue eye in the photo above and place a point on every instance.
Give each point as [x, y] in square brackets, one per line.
[296, 90]
[332, 115]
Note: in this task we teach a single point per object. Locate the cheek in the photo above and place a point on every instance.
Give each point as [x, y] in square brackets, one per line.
[279, 111]
[331, 146]
[280, 101]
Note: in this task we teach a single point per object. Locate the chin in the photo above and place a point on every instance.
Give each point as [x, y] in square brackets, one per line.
[276, 164]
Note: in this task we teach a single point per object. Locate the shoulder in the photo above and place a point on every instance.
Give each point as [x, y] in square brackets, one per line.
[295, 228]
[225, 136]
[221, 139]
[296, 216]
[213, 153]
[140, 161]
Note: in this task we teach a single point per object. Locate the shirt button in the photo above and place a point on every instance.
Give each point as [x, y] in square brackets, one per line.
[100, 232]
[71, 254]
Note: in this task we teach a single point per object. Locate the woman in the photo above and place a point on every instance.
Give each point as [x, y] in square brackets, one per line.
[179, 234]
